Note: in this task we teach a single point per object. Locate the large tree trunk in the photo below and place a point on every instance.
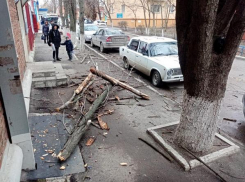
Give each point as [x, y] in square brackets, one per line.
[73, 18]
[66, 4]
[61, 12]
[81, 24]
[205, 64]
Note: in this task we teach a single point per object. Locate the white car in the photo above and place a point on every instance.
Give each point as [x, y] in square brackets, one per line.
[156, 57]
[100, 23]
[89, 30]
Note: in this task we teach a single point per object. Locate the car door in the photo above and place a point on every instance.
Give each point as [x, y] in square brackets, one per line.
[94, 37]
[131, 51]
[99, 37]
[141, 58]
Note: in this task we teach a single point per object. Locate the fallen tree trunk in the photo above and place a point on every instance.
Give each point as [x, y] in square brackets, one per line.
[72, 142]
[82, 126]
[118, 83]
[95, 105]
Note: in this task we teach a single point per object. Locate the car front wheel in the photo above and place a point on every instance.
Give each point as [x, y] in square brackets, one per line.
[156, 78]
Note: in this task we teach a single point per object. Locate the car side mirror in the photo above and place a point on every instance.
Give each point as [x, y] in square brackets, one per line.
[94, 34]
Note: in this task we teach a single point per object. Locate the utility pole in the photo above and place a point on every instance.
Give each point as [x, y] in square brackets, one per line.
[81, 23]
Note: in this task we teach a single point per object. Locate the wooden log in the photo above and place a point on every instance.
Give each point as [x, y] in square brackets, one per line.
[81, 127]
[118, 83]
[72, 142]
[84, 83]
[95, 105]
[75, 97]
[83, 59]
[58, 109]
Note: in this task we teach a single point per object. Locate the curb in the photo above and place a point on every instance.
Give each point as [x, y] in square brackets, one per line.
[240, 58]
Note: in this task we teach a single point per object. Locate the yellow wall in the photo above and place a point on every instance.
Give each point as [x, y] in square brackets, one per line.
[128, 15]
[131, 22]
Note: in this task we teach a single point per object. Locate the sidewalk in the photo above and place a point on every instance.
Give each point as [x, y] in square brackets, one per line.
[129, 122]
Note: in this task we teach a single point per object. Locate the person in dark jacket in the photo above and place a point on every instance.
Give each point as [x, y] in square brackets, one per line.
[69, 47]
[54, 40]
[45, 31]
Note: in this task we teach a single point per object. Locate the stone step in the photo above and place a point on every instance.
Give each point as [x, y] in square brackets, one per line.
[47, 73]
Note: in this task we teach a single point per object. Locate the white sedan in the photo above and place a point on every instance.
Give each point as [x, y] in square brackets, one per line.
[156, 57]
[89, 30]
[100, 23]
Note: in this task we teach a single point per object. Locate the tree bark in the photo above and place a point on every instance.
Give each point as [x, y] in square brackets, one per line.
[81, 24]
[72, 14]
[80, 129]
[205, 66]
[118, 83]
[61, 12]
[66, 4]
[84, 83]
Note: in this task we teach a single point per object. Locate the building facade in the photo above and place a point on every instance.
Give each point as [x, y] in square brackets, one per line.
[147, 13]
[16, 45]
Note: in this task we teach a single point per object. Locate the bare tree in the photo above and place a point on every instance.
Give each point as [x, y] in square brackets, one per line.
[134, 6]
[66, 4]
[144, 7]
[209, 33]
[61, 12]
[72, 14]
[91, 9]
[81, 23]
[109, 7]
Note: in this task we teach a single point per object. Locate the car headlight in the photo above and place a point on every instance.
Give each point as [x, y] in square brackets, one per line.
[170, 72]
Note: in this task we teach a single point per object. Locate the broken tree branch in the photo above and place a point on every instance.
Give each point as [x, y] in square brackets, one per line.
[81, 127]
[200, 160]
[83, 59]
[95, 106]
[118, 83]
[84, 83]
[164, 155]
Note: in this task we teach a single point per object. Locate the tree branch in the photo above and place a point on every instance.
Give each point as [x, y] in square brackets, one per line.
[225, 16]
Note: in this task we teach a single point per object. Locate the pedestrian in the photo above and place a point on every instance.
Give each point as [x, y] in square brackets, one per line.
[45, 31]
[54, 41]
[69, 47]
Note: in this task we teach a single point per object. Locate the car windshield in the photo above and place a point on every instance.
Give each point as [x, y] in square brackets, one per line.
[113, 32]
[90, 28]
[163, 49]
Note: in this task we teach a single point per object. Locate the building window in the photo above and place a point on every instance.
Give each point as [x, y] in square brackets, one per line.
[123, 8]
[171, 9]
[155, 8]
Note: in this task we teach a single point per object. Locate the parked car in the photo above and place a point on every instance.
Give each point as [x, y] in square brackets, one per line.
[87, 21]
[100, 23]
[109, 38]
[89, 30]
[156, 57]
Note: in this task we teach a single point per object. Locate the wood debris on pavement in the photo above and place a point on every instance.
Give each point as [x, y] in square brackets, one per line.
[95, 89]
